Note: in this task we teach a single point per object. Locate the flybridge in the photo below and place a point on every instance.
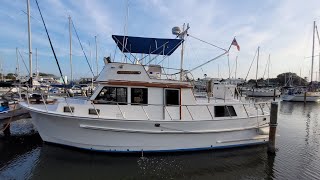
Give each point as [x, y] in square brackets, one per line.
[144, 45]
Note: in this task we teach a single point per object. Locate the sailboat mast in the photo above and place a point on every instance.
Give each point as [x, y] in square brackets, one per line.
[37, 73]
[1, 71]
[70, 48]
[312, 57]
[268, 68]
[257, 67]
[18, 66]
[29, 40]
[95, 38]
[300, 78]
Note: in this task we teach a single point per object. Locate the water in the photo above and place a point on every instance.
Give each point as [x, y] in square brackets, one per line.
[24, 156]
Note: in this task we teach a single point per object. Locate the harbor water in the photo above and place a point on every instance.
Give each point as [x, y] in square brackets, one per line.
[25, 156]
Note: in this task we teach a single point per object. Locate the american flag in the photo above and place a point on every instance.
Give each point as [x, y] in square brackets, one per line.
[235, 43]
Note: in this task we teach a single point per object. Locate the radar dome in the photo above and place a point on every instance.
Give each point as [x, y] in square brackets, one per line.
[176, 30]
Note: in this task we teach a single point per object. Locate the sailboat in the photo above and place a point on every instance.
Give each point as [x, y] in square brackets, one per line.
[257, 91]
[304, 94]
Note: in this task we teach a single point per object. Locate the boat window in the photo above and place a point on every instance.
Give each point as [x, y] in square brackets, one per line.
[68, 109]
[112, 95]
[139, 96]
[172, 97]
[224, 111]
[94, 111]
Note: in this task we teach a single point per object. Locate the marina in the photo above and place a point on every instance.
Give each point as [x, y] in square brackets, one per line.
[175, 101]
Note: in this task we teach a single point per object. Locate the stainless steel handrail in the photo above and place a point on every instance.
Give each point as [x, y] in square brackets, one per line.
[98, 114]
[145, 112]
[68, 106]
[44, 101]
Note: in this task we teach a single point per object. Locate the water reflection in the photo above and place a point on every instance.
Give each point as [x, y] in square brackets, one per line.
[24, 156]
[243, 163]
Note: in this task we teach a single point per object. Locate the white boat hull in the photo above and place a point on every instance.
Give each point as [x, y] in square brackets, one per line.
[300, 97]
[262, 93]
[114, 135]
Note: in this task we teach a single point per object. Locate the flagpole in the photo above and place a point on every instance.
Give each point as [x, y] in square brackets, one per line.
[230, 45]
[235, 72]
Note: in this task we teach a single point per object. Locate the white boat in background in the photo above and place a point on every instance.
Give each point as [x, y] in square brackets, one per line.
[300, 94]
[263, 92]
[257, 91]
[303, 94]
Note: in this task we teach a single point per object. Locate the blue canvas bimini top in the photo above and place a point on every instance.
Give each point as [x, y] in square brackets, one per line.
[147, 45]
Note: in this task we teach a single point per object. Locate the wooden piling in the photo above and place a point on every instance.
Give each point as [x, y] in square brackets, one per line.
[273, 127]
[274, 94]
[6, 130]
[305, 97]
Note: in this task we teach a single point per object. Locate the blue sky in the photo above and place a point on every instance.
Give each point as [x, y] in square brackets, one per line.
[281, 28]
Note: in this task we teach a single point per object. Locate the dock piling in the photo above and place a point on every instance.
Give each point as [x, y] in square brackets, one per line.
[273, 127]
[274, 94]
[305, 97]
[6, 129]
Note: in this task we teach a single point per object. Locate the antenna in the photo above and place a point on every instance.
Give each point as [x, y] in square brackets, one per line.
[177, 31]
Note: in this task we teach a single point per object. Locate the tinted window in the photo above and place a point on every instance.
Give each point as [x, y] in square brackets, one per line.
[139, 96]
[109, 95]
[172, 97]
[224, 111]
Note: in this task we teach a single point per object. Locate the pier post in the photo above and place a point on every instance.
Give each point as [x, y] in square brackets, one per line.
[6, 130]
[274, 94]
[273, 127]
[305, 97]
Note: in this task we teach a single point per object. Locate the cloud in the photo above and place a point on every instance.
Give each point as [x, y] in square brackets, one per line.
[281, 28]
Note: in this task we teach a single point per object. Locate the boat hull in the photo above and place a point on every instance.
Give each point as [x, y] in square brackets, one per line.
[114, 135]
[300, 98]
[264, 93]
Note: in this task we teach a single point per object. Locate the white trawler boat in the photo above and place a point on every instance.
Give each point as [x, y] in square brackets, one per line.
[134, 109]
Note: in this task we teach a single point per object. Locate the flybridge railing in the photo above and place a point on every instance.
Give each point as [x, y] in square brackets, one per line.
[261, 108]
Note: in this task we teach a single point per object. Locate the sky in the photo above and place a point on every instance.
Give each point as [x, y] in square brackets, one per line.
[281, 28]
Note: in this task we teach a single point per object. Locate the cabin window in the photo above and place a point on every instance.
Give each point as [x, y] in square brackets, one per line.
[224, 111]
[172, 97]
[139, 96]
[94, 111]
[68, 109]
[112, 95]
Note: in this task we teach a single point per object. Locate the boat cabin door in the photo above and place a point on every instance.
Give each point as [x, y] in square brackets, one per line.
[171, 101]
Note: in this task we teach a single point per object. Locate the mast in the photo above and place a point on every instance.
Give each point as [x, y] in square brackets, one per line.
[314, 26]
[218, 70]
[29, 40]
[91, 66]
[182, 47]
[70, 48]
[1, 71]
[95, 38]
[18, 66]
[235, 72]
[257, 67]
[300, 78]
[37, 71]
[268, 68]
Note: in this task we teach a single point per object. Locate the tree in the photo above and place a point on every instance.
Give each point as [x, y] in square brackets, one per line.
[10, 76]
